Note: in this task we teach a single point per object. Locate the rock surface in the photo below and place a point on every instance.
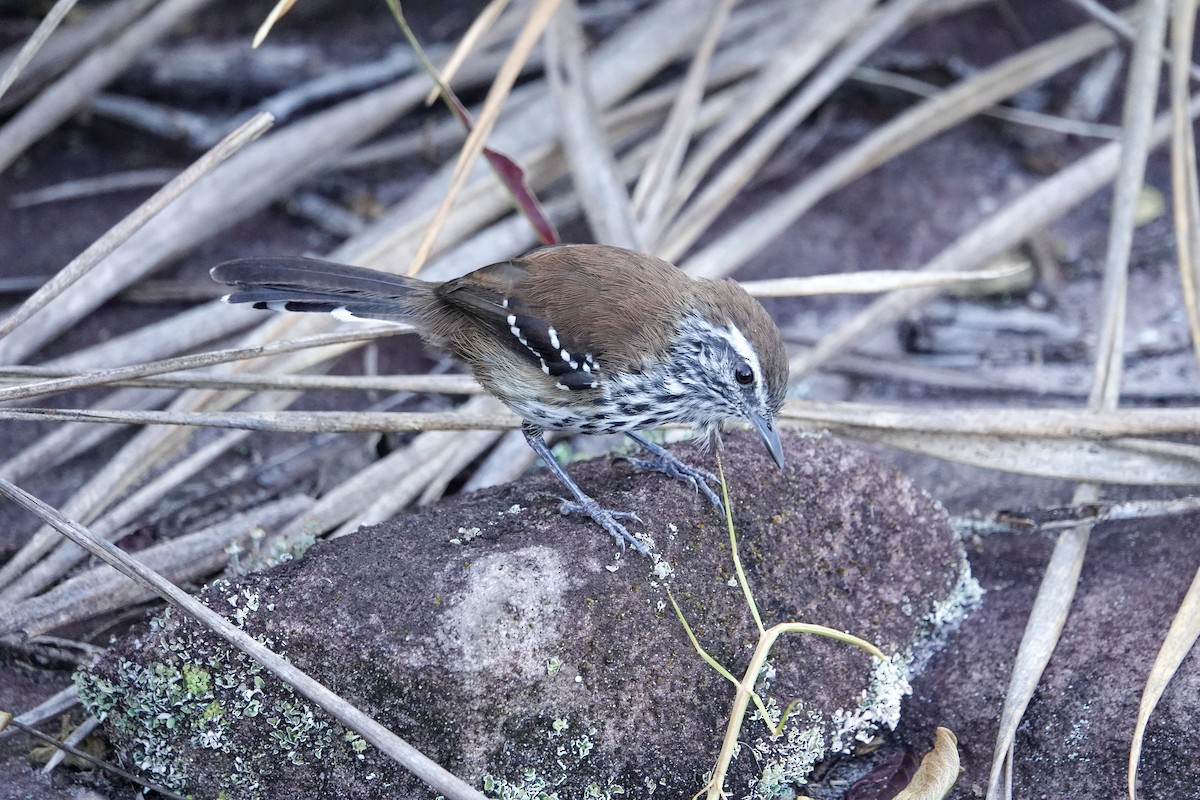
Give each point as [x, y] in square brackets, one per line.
[508, 643]
[1074, 740]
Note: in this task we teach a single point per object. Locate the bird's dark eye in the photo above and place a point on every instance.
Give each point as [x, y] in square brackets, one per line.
[743, 374]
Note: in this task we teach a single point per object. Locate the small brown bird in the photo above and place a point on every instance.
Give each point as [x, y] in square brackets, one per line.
[579, 338]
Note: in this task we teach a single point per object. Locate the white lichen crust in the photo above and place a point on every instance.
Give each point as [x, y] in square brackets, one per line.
[787, 759]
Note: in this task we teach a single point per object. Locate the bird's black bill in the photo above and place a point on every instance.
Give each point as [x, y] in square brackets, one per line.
[766, 432]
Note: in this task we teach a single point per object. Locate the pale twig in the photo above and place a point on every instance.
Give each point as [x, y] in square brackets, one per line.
[90, 187]
[881, 26]
[1183, 170]
[1017, 116]
[118, 374]
[1023, 520]
[337, 707]
[1185, 626]
[1053, 602]
[81, 732]
[57, 13]
[276, 13]
[73, 89]
[1000, 422]
[479, 27]
[262, 382]
[871, 282]
[959, 102]
[193, 128]
[278, 421]
[116, 235]
[654, 186]
[594, 170]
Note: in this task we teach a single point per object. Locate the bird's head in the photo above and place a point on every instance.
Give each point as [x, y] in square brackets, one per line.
[740, 364]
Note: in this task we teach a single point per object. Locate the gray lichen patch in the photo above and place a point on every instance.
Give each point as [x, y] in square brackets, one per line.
[194, 701]
[533, 660]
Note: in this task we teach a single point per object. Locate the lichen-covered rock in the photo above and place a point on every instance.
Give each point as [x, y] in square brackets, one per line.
[513, 646]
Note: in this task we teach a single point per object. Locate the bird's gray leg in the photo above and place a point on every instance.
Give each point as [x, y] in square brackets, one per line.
[583, 504]
[671, 466]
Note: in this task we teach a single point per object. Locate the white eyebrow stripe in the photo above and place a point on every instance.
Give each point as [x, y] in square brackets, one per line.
[742, 346]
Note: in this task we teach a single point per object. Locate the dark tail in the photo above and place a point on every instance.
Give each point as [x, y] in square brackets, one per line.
[309, 284]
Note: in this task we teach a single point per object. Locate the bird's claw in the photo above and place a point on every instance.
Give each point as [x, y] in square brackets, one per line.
[606, 519]
[674, 468]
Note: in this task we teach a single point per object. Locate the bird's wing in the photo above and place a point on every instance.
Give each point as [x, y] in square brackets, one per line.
[497, 296]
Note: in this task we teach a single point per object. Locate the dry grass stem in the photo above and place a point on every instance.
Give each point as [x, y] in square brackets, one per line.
[594, 170]
[112, 525]
[815, 33]
[482, 23]
[276, 13]
[118, 374]
[1185, 627]
[89, 187]
[1056, 518]
[1183, 168]
[1017, 116]
[89, 758]
[467, 449]
[188, 558]
[1053, 601]
[430, 384]
[72, 90]
[1134, 462]
[247, 182]
[69, 44]
[184, 332]
[959, 102]
[662, 168]
[1023, 216]
[119, 233]
[1180, 638]
[506, 76]
[872, 282]
[67, 441]
[54, 705]
[1001, 422]
[341, 710]
[695, 219]
[48, 25]
[278, 421]
[81, 732]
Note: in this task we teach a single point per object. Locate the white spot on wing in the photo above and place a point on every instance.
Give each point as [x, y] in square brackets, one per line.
[344, 315]
[553, 337]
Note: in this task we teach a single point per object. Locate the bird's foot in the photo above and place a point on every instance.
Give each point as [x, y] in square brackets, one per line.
[672, 467]
[606, 519]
